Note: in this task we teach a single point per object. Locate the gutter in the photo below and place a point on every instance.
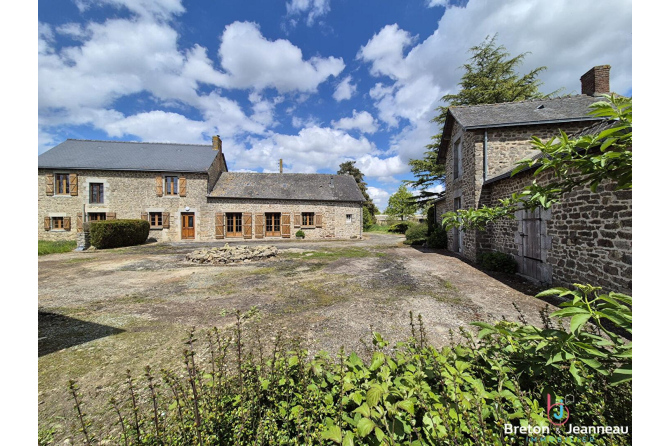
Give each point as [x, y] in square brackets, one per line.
[486, 161]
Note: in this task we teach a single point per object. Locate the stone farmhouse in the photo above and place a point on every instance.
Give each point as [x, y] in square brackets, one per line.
[185, 192]
[587, 238]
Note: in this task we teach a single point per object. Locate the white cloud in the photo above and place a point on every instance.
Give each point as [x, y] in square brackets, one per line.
[313, 9]
[252, 61]
[362, 121]
[344, 90]
[159, 126]
[385, 51]
[379, 197]
[160, 9]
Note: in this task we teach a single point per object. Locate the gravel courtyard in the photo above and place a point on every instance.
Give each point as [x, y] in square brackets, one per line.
[103, 312]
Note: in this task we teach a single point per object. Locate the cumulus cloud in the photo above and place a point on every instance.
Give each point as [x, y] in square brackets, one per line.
[385, 51]
[313, 9]
[362, 121]
[344, 90]
[379, 197]
[158, 125]
[160, 9]
[252, 61]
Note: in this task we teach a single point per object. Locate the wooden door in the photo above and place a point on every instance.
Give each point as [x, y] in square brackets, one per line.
[273, 224]
[187, 225]
[531, 244]
[234, 224]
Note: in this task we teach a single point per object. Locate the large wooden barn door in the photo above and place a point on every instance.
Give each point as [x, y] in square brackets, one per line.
[530, 244]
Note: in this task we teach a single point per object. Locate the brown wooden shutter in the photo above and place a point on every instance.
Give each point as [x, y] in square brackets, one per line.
[47, 223]
[182, 186]
[260, 225]
[219, 225]
[111, 215]
[144, 216]
[166, 220]
[246, 224]
[318, 220]
[67, 223]
[159, 186]
[80, 222]
[74, 185]
[286, 225]
[296, 220]
[50, 183]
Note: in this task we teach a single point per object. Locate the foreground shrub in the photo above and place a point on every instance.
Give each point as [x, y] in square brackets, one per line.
[116, 233]
[401, 227]
[300, 234]
[438, 239]
[417, 233]
[497, 261]
[411, 394]
[51, 247]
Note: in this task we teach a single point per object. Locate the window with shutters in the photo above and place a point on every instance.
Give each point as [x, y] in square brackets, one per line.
[62, 183]
[97, 216]
[273, 224]
[57, 223]
[234, 224]
[155, 219]
[308, 218]
[171, 185]
[96, 194]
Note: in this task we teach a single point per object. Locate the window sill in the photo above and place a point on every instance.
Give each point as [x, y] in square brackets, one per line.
[308, 227]
[155, 228]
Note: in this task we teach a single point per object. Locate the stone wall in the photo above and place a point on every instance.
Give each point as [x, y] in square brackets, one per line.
[591, 234]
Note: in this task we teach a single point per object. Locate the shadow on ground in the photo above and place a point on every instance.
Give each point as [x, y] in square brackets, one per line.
[57, 332]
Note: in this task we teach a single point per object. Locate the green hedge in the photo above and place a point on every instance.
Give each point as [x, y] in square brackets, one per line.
[438, 239]
[116, 233]
[497, 261]
[401, 227]
[417, 233]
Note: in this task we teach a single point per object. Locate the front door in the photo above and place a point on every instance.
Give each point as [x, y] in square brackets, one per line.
[187, 225]
[530, 244]
[273, 224]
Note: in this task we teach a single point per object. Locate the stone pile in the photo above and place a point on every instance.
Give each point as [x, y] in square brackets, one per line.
[232, 254]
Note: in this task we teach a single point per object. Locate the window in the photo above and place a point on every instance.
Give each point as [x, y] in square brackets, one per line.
[273, 224]
[349, 217]
[308, 218]
[62, 184]
[234, 224]
[457, 159]
[156, 219]
[97, 216]
[96, 193]
[171, 185]
[57, 223]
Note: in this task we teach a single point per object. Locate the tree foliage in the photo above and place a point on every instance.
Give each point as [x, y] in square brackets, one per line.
[586, 160]
[348, 168]
[401, 204]
[490, 78]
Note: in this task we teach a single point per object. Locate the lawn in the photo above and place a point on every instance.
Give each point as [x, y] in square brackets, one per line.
[50, 247]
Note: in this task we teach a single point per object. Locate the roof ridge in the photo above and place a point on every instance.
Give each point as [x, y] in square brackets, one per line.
[140, 142]
[569, 96]
[292, 173]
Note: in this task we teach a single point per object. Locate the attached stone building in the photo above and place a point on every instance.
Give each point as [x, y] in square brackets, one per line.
[587, 238]
[186, 193]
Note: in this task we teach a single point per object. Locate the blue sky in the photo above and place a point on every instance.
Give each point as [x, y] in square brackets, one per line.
[314, 82]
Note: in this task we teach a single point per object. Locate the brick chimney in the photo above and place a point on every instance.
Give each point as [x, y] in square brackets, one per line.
[596, 80]
[216, 143]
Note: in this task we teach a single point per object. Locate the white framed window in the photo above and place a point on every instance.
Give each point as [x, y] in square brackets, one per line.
[350, 218]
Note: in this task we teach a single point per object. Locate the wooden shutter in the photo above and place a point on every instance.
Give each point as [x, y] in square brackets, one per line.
[74, 185]
[260, 225]
[286, 225]
[246, 224]
[219, 225]
[296, 220]
[318, 220]
[166, 220]
[159, 186]
[182, 186]
[47, 223]
[144, 216]
[80, 222]
[50, 184]
[111, 215]
[67, 223]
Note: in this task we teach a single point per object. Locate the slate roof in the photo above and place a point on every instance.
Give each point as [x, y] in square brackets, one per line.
[124, 155]
[521, 113]
[287, 186]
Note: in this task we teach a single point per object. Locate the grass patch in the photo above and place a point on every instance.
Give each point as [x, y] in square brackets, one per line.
[329, 254]
[45, 247]
[377, 228]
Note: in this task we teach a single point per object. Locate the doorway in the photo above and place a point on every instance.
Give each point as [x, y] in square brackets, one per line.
[188, 225]
[273, 224]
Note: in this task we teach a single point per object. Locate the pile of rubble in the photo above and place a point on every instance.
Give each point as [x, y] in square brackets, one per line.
[232, 254]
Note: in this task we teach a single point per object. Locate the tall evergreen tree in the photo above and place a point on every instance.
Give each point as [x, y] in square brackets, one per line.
[490, 78]
[348, 168]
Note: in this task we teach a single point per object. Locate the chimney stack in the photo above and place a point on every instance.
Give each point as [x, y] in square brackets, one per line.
[216, 143]
[596, 80]
[281, 165]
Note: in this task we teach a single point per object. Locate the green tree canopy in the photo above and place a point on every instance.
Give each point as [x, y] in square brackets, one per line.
[401, 204]
[348, 168]
[490, 77]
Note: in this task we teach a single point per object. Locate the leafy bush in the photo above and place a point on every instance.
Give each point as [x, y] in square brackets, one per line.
[116, 233]
[438, 239]
[411, 394]
[401, 227]
[369, 219]
[300, 234]
[497, 261]
[417, 232]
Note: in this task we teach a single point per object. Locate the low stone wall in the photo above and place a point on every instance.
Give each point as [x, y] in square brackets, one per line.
[232, 254]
